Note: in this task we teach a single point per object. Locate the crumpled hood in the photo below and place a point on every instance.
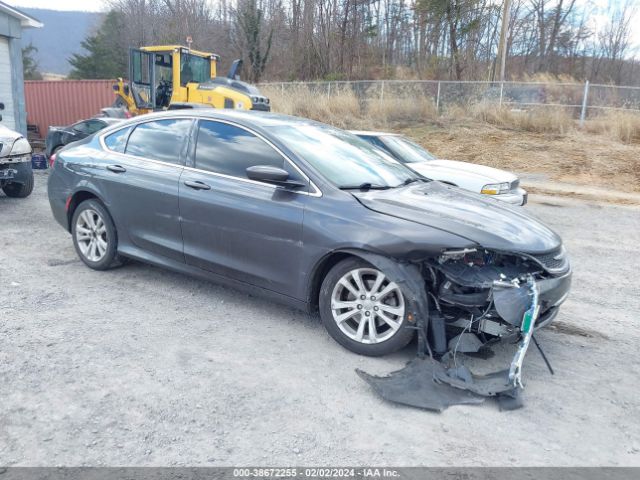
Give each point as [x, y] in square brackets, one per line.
[488, 222]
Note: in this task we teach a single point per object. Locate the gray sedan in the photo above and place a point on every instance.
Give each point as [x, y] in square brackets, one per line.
[308, 215]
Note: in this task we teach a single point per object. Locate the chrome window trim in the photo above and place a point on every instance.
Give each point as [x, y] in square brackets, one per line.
[315, 193]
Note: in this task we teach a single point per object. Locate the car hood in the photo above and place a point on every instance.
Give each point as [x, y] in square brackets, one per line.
[483, 220]
[450, 170]
[6, 134]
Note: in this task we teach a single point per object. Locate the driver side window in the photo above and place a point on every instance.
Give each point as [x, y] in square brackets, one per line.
[230, 150]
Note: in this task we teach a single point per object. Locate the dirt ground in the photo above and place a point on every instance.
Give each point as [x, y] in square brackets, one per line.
[576, 157]
[140, 366]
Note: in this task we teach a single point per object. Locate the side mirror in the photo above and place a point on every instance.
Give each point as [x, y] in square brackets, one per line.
[274, 175]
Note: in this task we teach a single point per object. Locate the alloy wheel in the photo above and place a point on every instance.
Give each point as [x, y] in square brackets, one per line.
[367, 306]
[91, 235]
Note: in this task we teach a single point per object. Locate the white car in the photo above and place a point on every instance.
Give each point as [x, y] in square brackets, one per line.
[16, 176]
[498, 183]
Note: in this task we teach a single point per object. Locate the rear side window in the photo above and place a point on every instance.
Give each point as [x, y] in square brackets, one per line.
[160, 140]
[230, 150]
[117, 141]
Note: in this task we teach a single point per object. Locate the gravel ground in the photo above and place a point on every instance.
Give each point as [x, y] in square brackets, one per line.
[140, 366]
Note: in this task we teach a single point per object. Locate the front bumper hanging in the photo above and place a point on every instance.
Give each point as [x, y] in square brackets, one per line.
[435, 384]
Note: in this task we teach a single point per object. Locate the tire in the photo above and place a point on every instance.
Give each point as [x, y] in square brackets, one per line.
[388, 336]
[23, 189]
[94, 236]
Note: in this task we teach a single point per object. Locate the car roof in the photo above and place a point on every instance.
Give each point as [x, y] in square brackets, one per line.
[374, 134]
[248, 117]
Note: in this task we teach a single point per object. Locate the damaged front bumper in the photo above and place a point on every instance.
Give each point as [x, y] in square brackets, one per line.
[7, 173]
[464, 302]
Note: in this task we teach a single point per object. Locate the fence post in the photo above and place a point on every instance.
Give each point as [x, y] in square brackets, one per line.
[583, 112]
[282, 88]
[438, 98]
[501, 92]
[329, 90]
[381, 91]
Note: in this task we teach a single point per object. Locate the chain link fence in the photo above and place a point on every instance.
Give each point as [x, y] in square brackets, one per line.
[582, 99]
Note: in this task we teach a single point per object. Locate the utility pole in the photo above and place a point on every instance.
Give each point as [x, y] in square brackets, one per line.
[502, 46]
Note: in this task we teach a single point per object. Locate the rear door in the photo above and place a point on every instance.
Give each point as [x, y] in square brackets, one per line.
[236, 227]
[142, 178]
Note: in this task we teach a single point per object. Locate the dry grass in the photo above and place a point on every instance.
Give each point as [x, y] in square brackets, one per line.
[344, 110]
[400, 111]
[341, 109]
[576, 157]
[605, 153]
[620, 125]
[539, 120]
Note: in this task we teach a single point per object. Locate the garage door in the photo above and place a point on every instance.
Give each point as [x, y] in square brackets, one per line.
[6, 95]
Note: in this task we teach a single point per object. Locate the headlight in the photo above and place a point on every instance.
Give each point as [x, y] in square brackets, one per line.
[495, 188]
[20, 147]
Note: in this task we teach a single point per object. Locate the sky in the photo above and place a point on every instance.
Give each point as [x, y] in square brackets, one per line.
[596, 18]
[82, 5]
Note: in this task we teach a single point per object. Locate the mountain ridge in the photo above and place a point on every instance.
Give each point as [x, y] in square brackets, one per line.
[59, 38]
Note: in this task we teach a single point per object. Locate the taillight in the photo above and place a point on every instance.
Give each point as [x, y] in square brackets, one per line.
[52, 160]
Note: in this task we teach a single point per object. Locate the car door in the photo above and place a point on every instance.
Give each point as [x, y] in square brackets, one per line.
[141, 180]
[247, 230]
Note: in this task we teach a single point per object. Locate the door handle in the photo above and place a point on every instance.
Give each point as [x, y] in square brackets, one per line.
[116, 168]
[197, 185]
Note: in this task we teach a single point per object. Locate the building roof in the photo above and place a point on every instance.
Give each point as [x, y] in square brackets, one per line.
[26, 21]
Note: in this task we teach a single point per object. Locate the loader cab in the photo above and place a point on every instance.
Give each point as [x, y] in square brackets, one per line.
[161, 75]
[165, 76]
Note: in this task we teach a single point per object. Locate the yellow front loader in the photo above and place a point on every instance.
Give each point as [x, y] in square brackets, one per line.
[174, 77]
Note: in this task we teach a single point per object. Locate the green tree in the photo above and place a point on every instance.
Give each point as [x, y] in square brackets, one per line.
[30, 64]
[249, 18]
[106, 56]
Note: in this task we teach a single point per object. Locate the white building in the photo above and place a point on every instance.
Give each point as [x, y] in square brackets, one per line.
[12, 21]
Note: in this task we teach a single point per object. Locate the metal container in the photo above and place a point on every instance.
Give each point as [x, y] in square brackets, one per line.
[63, 102]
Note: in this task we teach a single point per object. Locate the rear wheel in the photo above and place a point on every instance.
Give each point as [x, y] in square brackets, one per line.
[363, 310]
[94, 235]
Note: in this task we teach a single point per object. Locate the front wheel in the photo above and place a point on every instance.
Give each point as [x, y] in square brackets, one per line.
[363, 310]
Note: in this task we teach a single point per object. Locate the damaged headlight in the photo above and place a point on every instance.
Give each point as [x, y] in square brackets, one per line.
[20, 147]
[495, 188]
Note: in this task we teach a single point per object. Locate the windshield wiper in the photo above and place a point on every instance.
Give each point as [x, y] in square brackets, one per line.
[365, 186]
[412, 180]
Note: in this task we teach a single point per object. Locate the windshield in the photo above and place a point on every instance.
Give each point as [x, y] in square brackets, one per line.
[194, 68]
[406, 150]
[344, 159]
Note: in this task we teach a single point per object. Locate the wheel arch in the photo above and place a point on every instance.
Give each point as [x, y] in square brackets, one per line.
[323, 266]
[76, 199]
